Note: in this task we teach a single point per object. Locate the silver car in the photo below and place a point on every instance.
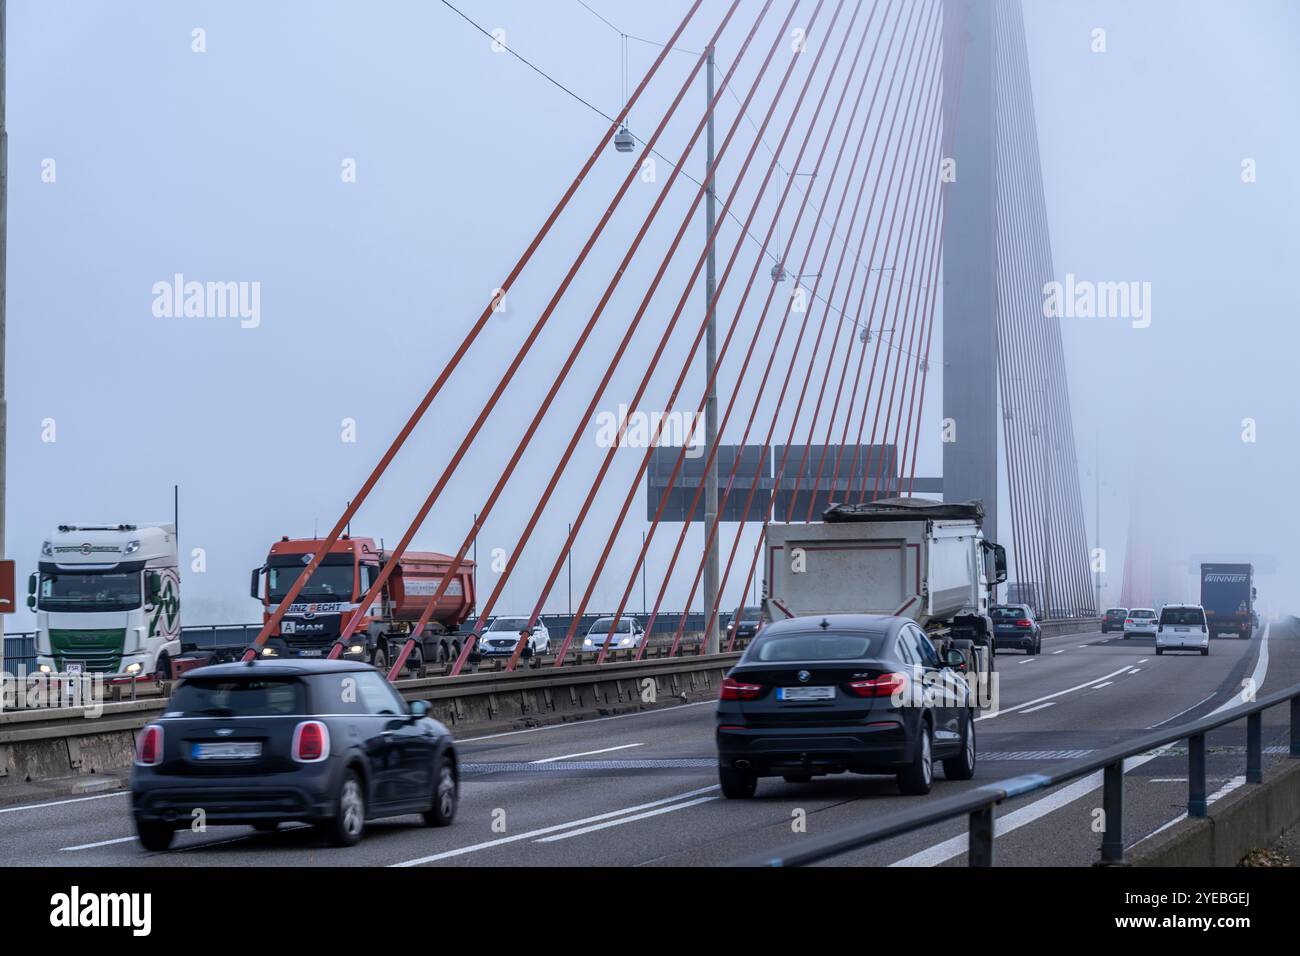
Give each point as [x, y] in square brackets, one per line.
[1140, 621]
[502, 636]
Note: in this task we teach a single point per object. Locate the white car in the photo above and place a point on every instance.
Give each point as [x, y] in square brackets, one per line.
[1182, 627]
[502, 636]
[628, 632]
[1140, 620]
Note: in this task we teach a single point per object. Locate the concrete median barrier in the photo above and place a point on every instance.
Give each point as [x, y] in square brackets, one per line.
[1251, 817]
[46, 744]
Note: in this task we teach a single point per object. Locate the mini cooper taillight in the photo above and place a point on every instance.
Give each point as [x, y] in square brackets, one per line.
[311, 742]
[149, 748]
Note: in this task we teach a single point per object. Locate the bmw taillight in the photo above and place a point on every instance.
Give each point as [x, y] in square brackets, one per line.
[1023, 622]
[733, 689]
[886, 685]
[149, 748]
[311, 742]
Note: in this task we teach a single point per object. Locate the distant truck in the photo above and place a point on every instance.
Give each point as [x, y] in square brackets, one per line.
[107, 600]
[313, 623]
[908, 557]
[1228, 596]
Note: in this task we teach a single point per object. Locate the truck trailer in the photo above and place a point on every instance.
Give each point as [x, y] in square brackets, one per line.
[1228, 596]
[314, 622]
[907, 557]
[107, 600]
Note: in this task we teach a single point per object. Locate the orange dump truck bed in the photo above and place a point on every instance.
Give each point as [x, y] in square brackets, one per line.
[416, 580]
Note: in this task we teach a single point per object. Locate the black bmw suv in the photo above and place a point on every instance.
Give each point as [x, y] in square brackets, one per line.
[328, 742]
[853, 693]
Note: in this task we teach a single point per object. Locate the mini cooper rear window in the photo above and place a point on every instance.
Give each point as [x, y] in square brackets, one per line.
[238, 697]
[813, 647]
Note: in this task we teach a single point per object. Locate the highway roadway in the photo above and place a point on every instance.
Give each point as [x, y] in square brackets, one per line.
[642, 789]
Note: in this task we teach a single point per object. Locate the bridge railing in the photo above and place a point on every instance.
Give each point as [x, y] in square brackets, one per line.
[978, 803]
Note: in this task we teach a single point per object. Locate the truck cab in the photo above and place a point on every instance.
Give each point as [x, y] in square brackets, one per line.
[315, 621]
[107, 600]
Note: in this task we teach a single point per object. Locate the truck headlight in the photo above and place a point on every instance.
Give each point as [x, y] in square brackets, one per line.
[134, 668]
[45, 669]
[268, 652]
[356, 649]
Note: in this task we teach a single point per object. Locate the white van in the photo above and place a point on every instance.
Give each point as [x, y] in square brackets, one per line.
[1182, 627]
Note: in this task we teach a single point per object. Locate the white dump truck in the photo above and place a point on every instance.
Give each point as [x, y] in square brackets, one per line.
[107, 600]
[909, 557]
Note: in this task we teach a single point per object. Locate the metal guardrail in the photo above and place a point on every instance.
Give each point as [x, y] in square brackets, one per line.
[979, 802]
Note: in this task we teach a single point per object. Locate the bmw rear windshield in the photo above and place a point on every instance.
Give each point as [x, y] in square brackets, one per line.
[813, 647]
[238, 697]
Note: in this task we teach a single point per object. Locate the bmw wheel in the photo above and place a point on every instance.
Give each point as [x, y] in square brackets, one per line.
[737, 784]
[915, 779]
[962, 767]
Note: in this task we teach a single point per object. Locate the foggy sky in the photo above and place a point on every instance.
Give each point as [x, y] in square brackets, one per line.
[225, 166]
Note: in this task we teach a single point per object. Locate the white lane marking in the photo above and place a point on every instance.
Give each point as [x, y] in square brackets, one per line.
[1252, 686]
[1223, 791]
[1144, 660]
[1050, 703]
[1061, 651]
[622, 820]
[1083, 645]
[91, 846]
[1135, 670]
[1167, 780]
[1107, 684]
[587, 753]
[59, 803]
[542, 831]
[956, 846]
[1059, 693]
[586, 723]
[1181, 712]
[1027, 660]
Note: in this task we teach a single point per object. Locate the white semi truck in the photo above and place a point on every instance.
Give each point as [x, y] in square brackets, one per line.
[107, 600]
[908, 557]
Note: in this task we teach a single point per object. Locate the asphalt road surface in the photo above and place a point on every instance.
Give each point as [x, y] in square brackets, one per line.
[642, 789]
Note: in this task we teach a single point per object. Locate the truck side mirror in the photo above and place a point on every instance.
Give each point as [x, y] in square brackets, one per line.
[1000, 563]
[31, 584]
[31, 602]
[254, 584]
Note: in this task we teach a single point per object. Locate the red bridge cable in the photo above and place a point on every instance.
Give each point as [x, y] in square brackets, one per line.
[522, 353]
[786, 381]
[454, 361]
[754, 484]
[689, 358]
[794, 421]
[749, 353]
[466, 649]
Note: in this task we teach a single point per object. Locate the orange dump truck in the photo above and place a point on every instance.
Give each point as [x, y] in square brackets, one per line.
[315, 620]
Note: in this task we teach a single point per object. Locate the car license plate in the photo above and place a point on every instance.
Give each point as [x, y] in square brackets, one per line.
[314, 653]
[228, 750]
[74, 667]
[805, 693]
[1181, 630]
